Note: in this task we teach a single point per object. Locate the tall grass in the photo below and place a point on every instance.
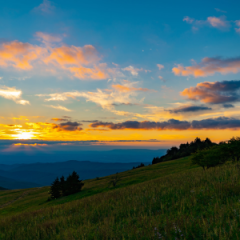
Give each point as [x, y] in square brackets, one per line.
[190, 205]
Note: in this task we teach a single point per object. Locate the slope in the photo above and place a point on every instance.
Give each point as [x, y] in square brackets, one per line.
[184, 204]
[37, 197]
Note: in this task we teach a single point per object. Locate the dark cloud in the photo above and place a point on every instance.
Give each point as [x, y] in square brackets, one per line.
[68, 126]
[210, 123]
[228, 105]
[189, 109]
[89, 121]
[64, 118]
[170, 124]
[216, 123]
[214, 92]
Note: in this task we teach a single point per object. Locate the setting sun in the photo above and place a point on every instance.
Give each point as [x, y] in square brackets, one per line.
[24, 135]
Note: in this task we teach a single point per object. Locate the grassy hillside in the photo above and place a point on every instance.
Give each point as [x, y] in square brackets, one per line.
[170, 200]
[35, 198]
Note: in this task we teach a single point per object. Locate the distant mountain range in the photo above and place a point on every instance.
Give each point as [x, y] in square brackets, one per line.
[38, 174]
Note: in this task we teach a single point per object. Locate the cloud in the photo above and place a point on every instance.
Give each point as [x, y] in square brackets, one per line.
[209, 66]
[19, 55]
[60, 108]
[218, 22]
[160, 66]
[188, 19]
[146, 125]
[186, 109]
[107, 99]
[172, 124]
[214, 92]
[219, 10]
[215, 22]
[47, 38]
[68, 126]
[80, 62]
[65, 118]
[237, 29]
[45, 7]
[13, 94]
[122, 88]
[132, 70]
[75, 59]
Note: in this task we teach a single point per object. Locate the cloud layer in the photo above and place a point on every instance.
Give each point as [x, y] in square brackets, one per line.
[173, 124]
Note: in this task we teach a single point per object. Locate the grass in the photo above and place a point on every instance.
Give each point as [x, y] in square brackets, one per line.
[36, 198]
[179, 202]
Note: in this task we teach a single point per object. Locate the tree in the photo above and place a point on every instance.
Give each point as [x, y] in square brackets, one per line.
[63, 186]
[55, 189]
[73, 184]
[210, 157]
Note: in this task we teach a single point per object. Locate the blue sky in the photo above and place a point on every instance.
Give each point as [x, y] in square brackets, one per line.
[156, 72]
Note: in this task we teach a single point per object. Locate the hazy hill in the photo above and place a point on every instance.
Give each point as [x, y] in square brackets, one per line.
[9, 183]
[43, 174]
[117, 155]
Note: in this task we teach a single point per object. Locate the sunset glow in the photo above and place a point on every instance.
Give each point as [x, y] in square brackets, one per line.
[156, 79]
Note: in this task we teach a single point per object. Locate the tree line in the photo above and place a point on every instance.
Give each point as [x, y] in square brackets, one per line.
[218, 154]
[62, 187]
[184, 150]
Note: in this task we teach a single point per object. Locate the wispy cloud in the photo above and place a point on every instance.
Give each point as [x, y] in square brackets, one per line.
[219, 10]
[212, 21]
[119, 94]
[237, 29]
[59, 107]
[13, 94]
[132, 70]
[160, 66]
[47, 38]
[209, 66]
[45, 7]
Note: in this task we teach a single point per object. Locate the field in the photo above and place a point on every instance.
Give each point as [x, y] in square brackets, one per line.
[172, 200]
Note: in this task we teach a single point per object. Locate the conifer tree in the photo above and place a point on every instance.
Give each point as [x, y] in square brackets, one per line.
[73, 184]
[55, 189]
[63, 186]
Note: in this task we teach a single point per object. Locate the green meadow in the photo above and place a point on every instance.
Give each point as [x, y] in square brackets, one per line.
[169, 200]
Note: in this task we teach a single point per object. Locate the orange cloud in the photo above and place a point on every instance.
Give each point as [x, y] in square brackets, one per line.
[73, 58]
[214, 92]
[209, 66]
[81, 62]
[122, 88]
[19, 55]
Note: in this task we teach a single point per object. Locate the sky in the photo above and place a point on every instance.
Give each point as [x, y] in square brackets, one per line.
[145, 74]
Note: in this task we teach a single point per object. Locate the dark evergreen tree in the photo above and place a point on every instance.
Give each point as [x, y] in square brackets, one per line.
[63, 186]
[73, 184]
[55, 189]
